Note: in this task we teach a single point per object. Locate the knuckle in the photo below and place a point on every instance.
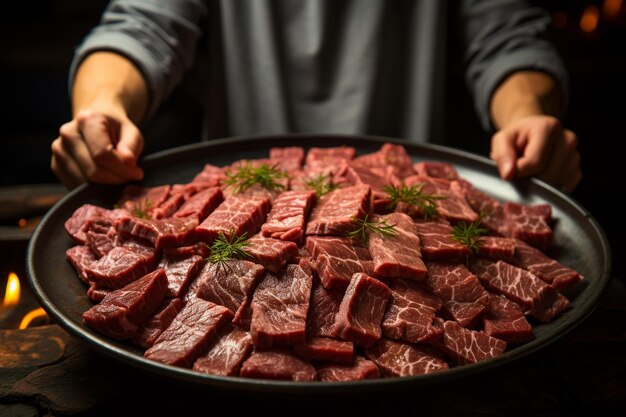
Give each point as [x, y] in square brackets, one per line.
[91, 172]
[101, 155]
[67, 129]
[56, 147]
[84, 115]
[572, 139]
[535, 164]
[552, 123]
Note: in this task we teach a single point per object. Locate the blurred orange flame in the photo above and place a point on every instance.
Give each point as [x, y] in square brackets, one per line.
[611, 8]
[589, 19]
[32, 315]
[12, 292]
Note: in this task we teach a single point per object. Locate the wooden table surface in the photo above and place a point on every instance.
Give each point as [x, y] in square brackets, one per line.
[583, 373]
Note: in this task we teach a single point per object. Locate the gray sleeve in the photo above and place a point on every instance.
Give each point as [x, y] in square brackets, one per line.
[499, 38]
[158, 36]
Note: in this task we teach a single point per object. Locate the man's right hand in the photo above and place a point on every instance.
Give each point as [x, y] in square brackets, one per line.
[102, 143]
[95, 147]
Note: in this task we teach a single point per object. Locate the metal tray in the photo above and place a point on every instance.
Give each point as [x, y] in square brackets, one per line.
[580, 243]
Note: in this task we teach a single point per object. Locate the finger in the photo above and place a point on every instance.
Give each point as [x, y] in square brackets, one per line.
[71, 152]
[559, 167]
[96, 130]
[504, 153]
[78, 161]
[65, 168]
[130, 145]
[538, 149]
[74, 150]
[556, 165]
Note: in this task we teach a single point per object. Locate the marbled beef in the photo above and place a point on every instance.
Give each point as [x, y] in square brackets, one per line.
[397, 256]
[236, 216]
[201, 204]
[548, 269]
[325, 349]
[230, 283]
[180, 272]
[279, 307]
[505, 320]
[464, 298]
[464, 346]
[362, 309]
[121, 266]
[226, 353]
[396, 359]
[173, 231]
[149, 331]
[335, 212]
[336, 259]
[436, 169]
[360, 368]
[535, 296]
[453, 206]
[272, 253]
[436, 241]
[287, 218]
[528, 223]
[323, 307]
[189, 334]
[122, 311]
[411, 312]
[277, 364]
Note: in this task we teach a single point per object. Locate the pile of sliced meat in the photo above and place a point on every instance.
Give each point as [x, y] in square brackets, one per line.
[309, 303]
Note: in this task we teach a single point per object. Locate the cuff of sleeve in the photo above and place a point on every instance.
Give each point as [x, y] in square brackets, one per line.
[517, 61]
[130, 48]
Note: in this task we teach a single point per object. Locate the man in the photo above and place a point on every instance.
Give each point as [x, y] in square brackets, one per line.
[355, 66]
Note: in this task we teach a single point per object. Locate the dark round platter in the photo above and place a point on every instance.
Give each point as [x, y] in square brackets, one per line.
[580, 244]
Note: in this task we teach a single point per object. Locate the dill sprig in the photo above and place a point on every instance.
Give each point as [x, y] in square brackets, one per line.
[247, 175]
[413, 195]
[469, 234]
[141, 209]
[225, 248]
[363, 227]
[322, 184]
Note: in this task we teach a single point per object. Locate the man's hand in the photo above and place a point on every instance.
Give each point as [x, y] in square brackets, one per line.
[102, 142]
[539, 146]
[530, 140]
[98, 148]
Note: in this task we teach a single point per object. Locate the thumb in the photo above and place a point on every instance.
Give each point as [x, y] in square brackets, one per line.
[504, 153]
[131, 144]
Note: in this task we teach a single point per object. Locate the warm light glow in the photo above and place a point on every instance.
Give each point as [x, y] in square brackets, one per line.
[22, 222]
[32, 315]
[559, 19]
[589, 19]
[611, 8]
[12, 293]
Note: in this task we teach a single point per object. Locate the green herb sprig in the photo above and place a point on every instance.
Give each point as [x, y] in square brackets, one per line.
[469, 234]
[141, 209]
[248, 174]
[413, 195]
[226, 248]
[322, 184]
[363, 227]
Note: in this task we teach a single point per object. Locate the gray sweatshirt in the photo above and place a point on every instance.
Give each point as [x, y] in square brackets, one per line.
[336, 66]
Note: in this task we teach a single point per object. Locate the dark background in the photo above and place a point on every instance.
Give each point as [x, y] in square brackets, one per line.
[38, 40]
